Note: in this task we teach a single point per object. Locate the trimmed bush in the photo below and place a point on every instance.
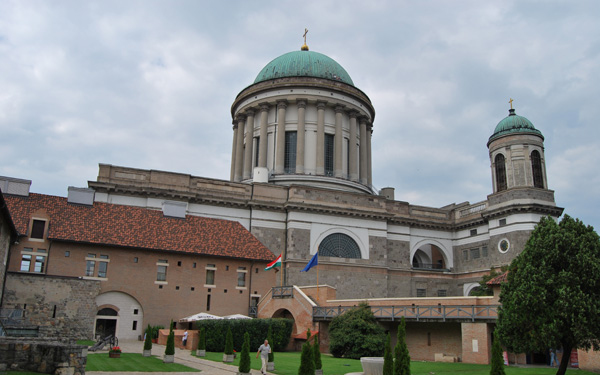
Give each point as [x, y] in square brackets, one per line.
[388, 359]
[148, 338]
[155, 330]
[201, 339]
[245, 355]
[228, 343]
[307, 362]
[216, 330]
[356, 334]
[271, 344]
[401, 356]
[317, 354]
[170, 349]
[497, 361]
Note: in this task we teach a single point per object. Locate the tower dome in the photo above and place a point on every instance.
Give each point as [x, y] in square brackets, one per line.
[514, 124]
[303, 122]
[304, 64]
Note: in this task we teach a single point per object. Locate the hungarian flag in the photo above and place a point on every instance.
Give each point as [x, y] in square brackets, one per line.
[275, 263]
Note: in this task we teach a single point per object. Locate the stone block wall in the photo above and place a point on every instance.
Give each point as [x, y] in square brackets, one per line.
[42, 355]
[62, 307]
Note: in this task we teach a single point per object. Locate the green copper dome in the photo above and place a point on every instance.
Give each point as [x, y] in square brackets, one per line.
[514, 124]
[304, 64]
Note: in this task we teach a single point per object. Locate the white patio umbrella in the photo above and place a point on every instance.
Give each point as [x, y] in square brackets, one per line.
[236, 316]
[199, 316]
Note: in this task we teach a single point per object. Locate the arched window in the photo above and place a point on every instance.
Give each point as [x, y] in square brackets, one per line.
[107, 311]
[536, 166]
[339, 245]
[500, 172]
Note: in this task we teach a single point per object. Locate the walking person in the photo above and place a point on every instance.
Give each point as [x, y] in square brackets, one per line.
[185, 336]
[553, 358]
[264, 351]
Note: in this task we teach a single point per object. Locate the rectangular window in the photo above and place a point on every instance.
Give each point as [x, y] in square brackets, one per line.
[465, 254]
[208, 302]
[421, 292]
[161, 273]
[135, 259]
[134, 327]
[90, 268]
[37, 229]
[256, 150]
[102, 269]
[473, 232]
[502, 222]
[25, 262]
[475, 253]
[40, 262]
[241, 277]
[442, 292]
[329, 138]
[290, 152]
[484, 251]
[210, 274]
[67, 253]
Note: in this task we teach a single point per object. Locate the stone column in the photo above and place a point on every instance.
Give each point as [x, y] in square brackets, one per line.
[249, 141]
[369, 165]
[239, 152]
[363, 151]
[321, 137]
[338, 170]
[301, 103]
[263, 142]
[280, 144]
[233, 149]
[352, 164]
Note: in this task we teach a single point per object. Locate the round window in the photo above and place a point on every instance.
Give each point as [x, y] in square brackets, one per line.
[503, 245]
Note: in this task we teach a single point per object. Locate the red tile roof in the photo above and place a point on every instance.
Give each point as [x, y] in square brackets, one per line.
[499, 279]
[135, 227]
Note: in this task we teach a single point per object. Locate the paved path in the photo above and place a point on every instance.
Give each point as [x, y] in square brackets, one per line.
[183, 357]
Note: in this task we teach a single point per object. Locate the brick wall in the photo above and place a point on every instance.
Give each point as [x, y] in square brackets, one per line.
[476, 343]
[43, 356]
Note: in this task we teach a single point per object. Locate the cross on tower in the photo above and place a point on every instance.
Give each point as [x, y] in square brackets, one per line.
[510, 101]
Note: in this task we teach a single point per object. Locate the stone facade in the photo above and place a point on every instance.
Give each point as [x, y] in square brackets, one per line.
[42, 356]
[62, 307]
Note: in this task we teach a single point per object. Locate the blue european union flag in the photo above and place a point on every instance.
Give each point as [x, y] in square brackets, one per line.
[313, 262]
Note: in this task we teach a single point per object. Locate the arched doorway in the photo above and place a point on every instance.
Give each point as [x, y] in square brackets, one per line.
[429, 257]
[119, 314]
[286, 314]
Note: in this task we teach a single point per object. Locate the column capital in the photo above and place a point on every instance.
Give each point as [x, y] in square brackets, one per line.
[321, 104]
[301, 103]
[240, 117]
[353, 113]
[282, 104]
[264, 106]
[340, 108]
[250, 112]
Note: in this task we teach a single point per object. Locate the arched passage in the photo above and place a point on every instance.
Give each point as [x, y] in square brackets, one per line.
[119, 314]
[286, 314]
[429, 257]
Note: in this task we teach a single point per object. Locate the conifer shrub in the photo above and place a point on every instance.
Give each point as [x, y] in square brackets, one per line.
[497, 361]
[307, 362]
[271, 343]
[244, 366]
[216, 331]
[148, 338]
[317, 354]
[228, 343]
[202, 339]
[401, 356]
[170, 349]
[388, 359]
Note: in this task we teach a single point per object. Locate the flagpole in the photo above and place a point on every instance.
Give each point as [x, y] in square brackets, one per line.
[281, 283]
[317, 277]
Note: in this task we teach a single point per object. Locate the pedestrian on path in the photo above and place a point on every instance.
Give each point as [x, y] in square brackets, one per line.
[264, 351]
[185, 336]
[553, 358]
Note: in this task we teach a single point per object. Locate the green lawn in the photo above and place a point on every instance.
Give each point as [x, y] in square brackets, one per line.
[287, 363]
[132, 362]
[86, 342]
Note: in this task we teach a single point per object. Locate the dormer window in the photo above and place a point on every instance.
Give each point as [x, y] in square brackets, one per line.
[37, 229]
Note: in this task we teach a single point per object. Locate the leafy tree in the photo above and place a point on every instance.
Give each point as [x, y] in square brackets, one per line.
[307, 362]
[244, 366]
[170, 349]
[271, 344]
[356, 334]
[483, 289]
[229, 342]
[317, 353]
[388, 359]
[552, 295]
[401, 356]
[497, 358]
[202, 339]
[148, 338]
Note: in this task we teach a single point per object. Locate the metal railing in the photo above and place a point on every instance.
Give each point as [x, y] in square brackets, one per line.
[441, 313]
[283, 292]
[12, 323]
[429, 266]
[253, 311]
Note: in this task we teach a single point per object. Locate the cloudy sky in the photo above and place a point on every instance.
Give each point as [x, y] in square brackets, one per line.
[149, 84]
